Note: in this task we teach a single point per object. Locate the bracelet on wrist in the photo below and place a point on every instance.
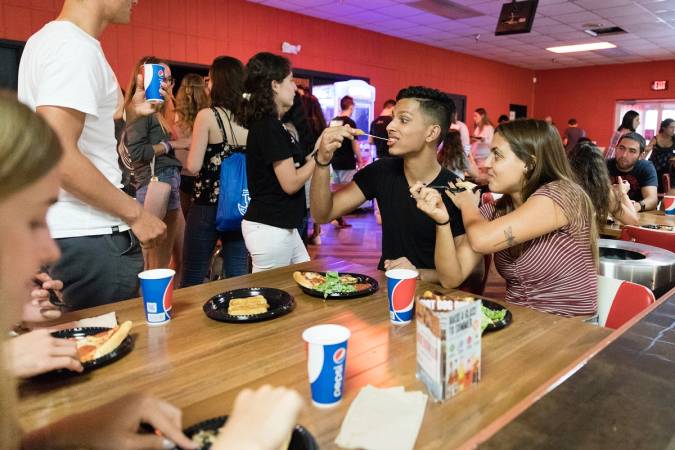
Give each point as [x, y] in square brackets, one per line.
[167, 147]
[444, 223]
[318, 163]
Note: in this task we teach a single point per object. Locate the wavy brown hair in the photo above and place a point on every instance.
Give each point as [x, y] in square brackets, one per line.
[28, 151]
[451, 155]
[484, 119]
[191, 98]
[261, 70]
[539, 146]
[590, 168]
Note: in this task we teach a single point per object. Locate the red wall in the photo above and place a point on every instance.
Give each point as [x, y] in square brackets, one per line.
[198, 30]
[589, 94]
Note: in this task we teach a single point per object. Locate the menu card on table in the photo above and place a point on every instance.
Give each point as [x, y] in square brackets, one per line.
[448, 345]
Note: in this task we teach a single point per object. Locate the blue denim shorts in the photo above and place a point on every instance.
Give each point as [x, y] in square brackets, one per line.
[169, 175]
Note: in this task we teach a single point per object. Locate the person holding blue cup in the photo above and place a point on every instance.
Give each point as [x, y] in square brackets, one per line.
[157, 290]
[326, 362]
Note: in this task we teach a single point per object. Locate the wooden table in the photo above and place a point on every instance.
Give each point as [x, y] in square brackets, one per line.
[200, 365]
[646, 218]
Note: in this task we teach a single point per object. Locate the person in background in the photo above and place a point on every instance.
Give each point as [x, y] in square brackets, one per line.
[64, 75]
[572, 134]
[629, 124]
[640, 174]
[482, 138]
[420, 123]
[348, 158]
[542, 210]
[460, 126]
[149, 140]
[317, 124]
[661, 152]
[549, 120]
[216, 134]
[610, 200]
[276, 172]
[452, 157]
[378, 127]
[192, 97]
[483, 129]
[502, 119]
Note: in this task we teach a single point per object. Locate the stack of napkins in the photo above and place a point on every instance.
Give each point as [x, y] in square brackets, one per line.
[386, 419]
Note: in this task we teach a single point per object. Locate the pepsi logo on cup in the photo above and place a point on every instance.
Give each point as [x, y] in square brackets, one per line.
[401, 285]
[339, 355]
[669, 204]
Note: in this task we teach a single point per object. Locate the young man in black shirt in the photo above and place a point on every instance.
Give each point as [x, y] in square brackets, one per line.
[420, 123]
[379, 128]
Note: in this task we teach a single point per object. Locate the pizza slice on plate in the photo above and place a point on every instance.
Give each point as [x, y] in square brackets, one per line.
[97, 345]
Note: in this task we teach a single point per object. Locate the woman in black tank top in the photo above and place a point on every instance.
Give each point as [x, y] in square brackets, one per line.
[205, 158]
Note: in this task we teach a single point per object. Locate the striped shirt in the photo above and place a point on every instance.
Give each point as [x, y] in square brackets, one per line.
[555, 272]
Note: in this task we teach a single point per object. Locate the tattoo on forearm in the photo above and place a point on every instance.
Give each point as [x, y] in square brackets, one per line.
[510, 239]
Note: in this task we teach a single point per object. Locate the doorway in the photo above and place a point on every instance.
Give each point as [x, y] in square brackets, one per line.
[652, 112]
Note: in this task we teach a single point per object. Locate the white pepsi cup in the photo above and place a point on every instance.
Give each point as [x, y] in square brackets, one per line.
[153, 75]
[326, 362]
[157, 290]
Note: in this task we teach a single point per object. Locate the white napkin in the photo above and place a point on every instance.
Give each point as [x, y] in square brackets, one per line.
[383, 419]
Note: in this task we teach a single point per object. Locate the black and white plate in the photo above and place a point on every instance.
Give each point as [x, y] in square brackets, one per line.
[281, 303]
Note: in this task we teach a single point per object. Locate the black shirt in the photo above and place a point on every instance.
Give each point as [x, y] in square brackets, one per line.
[641, 175]
[406, 231]
[268, 142]
[379, 128]
[344, 157]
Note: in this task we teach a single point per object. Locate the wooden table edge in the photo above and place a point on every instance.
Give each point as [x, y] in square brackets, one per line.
[558, 378]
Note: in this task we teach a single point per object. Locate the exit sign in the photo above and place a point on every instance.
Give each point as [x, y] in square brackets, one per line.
[659, 85]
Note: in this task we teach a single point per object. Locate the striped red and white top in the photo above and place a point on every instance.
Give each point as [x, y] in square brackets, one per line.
[555, 273]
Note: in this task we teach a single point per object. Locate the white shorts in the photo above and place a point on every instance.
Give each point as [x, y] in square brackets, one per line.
[272, 247]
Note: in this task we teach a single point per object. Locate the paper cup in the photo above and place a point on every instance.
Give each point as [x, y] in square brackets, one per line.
[669, 204]
[157, 290]
[401, 285]
[326, 361]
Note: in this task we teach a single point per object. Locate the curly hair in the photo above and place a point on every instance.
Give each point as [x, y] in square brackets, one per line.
[191, 98]
[261, 70]
[434, 103]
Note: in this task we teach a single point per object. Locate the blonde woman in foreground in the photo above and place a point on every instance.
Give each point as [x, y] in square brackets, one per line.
[29, 185]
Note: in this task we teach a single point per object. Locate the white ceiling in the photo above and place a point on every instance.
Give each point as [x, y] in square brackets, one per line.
[650, 26]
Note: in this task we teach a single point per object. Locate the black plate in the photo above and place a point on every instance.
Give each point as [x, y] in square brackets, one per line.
[281, 303]
[374, 286]
[494, 326]
[125, 347]
[659, 227]
[301, 439]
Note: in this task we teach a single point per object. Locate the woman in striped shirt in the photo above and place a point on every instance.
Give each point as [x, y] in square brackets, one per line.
[542, 231]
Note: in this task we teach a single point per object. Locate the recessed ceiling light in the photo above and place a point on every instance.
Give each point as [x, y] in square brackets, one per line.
[581, 47]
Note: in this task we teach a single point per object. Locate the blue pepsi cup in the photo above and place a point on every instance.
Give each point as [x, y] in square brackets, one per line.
[401, 285]
[157, 290]
[326, 360]
[153, 75]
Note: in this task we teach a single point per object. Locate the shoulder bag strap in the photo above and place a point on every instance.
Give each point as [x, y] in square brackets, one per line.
[220, 124]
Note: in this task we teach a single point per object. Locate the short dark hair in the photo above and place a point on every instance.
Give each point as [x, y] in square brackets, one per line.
[433, 103]
[346, 102]
[637, 137]
[389, 103]
[572, 121]
[503, 118]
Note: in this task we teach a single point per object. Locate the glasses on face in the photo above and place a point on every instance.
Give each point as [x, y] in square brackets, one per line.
[169, 80]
